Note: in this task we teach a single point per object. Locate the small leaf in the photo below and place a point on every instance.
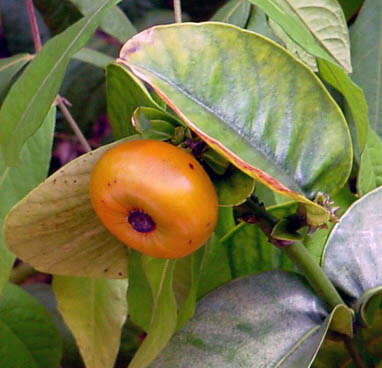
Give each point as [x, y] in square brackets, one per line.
[234, 187]
[234, 12]
[124, 94]
[95, 311]
[32, 95]
[366, 41]
[352, 256]
[9, 68]
[93, 57]
[265, 132]
[28, 335]
[17, 182]
[370, 170]
[159, 273]
[114, 21]
[234, 323]
[55, 229]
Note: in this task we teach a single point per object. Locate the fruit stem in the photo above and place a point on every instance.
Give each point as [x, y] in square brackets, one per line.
[315, 275]
[33, 25]
[21, 272]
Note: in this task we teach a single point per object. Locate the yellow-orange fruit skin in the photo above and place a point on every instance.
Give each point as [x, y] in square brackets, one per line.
[162, 181]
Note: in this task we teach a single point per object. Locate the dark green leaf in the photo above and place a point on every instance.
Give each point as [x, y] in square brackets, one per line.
[17, 182]
[233, 325]
[28, 335]
[124, 94]
[266, 132]
[370, 169]
[31, 96]
[366, 42]
[235, 12]
[358, 115]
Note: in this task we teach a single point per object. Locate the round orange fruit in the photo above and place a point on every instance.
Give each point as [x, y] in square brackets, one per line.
[154, 197]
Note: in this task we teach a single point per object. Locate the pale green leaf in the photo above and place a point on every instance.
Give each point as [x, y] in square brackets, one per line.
[95, 311]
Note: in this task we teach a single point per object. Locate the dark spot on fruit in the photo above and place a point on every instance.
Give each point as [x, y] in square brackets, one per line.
[115, 181]
[108, 184]
[120, 273]
[74, 181]
[141, 221]
[54, 181]
[191, 166]
[190, 242]
[208, 224]
[65, 181]
[105, 270]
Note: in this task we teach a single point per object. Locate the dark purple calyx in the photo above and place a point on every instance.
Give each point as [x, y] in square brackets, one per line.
[141, 221]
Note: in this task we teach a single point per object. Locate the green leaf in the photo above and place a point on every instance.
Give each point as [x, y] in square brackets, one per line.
[139, 294]
[215, 268]
[32, 95]
[235, 12]
[9, 68]
[17, 182]
[370, 169]
[55, 229]
[159, 273]
[93, 57]
[234, 323]
[289, 14]
[95, 311]
[234, 187]
[355, 99]
[124, 94]
[114, 21]
[352, 256]
[269, 133]
[28, 335]
[366, 41]
[350, 8]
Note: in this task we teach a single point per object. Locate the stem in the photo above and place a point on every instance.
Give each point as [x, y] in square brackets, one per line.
[21, 273]
[177, 11]
[73, 124]
[313, 273]
[353, 352]
[34, 26]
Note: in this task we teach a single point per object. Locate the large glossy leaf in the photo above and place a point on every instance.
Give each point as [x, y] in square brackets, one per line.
[28, 335]
[114, 21]
[15, 183]
[32, 95]
[124, 94]
[9, 67]
[159, 273]
[352, 257]
[95, 311]
[370, 170]
[292, 138]
[235, 12]
[366, 41]
[55, 229]
[268, 320]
